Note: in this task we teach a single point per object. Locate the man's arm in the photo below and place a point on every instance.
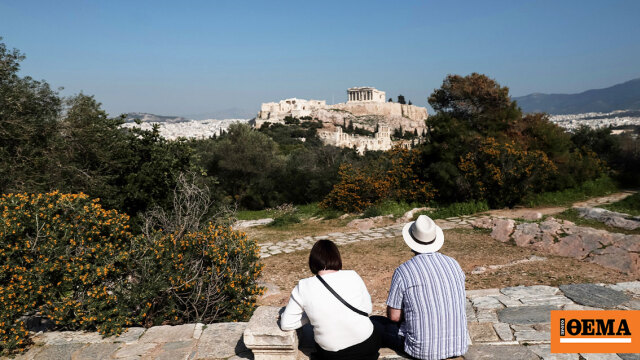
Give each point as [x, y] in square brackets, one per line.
[396, 295]
[394, 315]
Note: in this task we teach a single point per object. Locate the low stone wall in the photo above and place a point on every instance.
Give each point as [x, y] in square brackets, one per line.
[265, 339]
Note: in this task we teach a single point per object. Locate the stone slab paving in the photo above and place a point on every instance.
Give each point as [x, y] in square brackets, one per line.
[595, 295]
[510, 323]
[305, 243]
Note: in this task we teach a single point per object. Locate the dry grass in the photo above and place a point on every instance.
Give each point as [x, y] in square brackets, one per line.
[376, 260]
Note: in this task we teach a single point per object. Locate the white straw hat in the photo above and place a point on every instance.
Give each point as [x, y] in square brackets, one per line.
[423, 235]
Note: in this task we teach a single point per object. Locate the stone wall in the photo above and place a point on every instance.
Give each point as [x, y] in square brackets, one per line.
[380, 141]
[275, 112]
[386, 109]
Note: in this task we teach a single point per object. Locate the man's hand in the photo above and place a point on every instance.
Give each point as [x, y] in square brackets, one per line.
[394, 315]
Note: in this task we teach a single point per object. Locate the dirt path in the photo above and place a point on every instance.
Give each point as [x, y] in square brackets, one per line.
[522, 213]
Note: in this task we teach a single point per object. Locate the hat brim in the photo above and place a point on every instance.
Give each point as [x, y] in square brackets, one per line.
[422, 248]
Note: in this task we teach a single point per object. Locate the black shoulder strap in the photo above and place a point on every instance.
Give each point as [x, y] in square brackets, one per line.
[340, 298]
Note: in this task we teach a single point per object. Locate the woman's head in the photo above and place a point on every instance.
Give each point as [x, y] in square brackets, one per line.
[324, 256]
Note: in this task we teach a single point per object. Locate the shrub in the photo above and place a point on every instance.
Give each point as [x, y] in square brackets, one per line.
[456, 209]
[284, 215]
[404, 181]
[204, 276]
[599, 187]
[356, 190]
[389, 207]
[503, 174]
[392, 176]
[371, 211]
[65, 257]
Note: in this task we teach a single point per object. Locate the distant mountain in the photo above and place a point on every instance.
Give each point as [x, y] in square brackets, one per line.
[146, 117]
[625, 96]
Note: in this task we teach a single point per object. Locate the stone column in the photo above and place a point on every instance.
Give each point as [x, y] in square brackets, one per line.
[265, 339]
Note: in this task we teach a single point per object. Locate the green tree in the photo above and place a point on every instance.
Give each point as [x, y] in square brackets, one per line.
[247, 165]
[479, 101]
[130, 169]
[29, 111]
[401, 99]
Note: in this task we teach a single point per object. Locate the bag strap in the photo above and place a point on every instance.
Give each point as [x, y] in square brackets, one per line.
[340, 298]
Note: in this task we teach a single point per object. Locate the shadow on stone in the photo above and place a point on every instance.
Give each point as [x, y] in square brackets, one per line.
[526, 315]
[594, 295]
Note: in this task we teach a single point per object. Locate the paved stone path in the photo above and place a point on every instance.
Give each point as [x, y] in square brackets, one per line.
[466, 222]
[510, 323]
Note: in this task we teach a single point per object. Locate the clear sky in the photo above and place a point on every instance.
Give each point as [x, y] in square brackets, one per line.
[195, 57]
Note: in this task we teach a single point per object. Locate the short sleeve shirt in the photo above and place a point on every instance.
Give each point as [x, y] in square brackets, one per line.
[429, 289]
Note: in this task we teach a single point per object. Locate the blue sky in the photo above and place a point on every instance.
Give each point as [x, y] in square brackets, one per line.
[194, 57]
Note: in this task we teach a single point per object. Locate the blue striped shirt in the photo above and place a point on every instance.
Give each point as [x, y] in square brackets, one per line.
[429, 289]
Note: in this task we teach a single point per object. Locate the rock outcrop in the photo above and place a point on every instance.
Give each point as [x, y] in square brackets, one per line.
[560, 237]
[611, 218]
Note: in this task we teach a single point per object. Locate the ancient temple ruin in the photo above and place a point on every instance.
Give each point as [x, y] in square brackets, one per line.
[365, 93]
[365, 108]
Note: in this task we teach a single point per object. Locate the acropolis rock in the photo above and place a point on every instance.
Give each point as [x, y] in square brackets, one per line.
[365, 108]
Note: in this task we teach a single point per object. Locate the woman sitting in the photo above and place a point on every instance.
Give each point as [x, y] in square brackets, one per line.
[342, 330]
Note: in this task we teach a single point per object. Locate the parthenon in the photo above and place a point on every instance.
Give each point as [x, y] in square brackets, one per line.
[365, 93]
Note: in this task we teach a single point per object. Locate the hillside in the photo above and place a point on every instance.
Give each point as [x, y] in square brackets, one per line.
[625, 96]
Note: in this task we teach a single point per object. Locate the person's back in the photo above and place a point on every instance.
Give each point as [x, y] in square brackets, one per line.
[429, 288]
[335, 326]
[337, 304]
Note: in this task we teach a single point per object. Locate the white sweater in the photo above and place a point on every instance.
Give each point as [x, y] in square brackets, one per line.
[335, 326]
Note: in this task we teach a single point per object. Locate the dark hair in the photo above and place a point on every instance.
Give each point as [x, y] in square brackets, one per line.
[324, 256]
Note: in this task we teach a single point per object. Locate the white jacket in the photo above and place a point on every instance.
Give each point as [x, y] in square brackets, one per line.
[335, 326]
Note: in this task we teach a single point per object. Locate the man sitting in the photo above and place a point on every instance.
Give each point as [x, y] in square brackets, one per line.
[426, 315]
